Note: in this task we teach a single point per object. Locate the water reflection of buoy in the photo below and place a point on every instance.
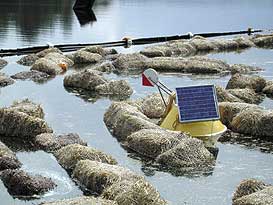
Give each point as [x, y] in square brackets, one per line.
[63, 66]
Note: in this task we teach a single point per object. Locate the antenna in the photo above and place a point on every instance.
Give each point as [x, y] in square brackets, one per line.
[150, 78]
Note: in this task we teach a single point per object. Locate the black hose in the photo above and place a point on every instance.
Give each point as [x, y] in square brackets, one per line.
[125, 42]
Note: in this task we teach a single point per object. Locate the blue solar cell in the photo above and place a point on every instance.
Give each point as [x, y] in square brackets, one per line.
[197, 103]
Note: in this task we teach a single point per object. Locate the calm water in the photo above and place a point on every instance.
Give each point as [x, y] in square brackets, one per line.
[37, 22]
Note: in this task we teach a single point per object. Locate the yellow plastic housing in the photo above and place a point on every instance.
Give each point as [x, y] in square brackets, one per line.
[204, 130]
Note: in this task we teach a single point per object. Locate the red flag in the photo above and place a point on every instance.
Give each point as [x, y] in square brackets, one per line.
[145, 81]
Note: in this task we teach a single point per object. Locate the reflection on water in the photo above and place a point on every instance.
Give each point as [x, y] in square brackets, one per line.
[85, 16]
[30, 18]
[38, 22]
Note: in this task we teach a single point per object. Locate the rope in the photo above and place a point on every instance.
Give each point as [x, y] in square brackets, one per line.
[126, 42]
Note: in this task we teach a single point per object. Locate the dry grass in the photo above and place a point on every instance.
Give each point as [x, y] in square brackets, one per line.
[240, 81]
[136, 192]
[190, 153]
[8, 159]
[153, 142]
[70, 155]
[96, 176]
[19, 124]
[83, 200]
[257, 122]
[229, 110]
[247, 95]
[123, 119]
[247, 187]
[28, 107]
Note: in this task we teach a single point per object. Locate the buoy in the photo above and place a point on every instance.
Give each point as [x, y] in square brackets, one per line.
[128, 41]
[63, 66]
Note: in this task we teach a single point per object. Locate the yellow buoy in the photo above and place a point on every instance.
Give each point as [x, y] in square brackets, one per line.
[208, 131]
[63, 66]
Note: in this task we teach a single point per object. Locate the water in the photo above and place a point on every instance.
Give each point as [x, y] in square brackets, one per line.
[37, 22]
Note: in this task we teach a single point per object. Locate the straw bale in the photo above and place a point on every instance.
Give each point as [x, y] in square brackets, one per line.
[244, 42]
[198, 64]
[21, 184]
[240, 81]
[85, 57]
[263, 197]
[157, 51]
[263, 41]
[178, 64]
[248, 186]
[184, 48]
[153, 106]
[225, 45]
[96, 176]
[28, 60]
[202, 44]
[43, 53]
[50, 63]
[120, 88]
[3, 63]
[225, 96]
[33, 75]
[129, 124]
[136, 103]
[8, 159]
[50, 142]
[123, 119]
[70, 155]
[268, 90]
[153, 142]
[243, 69]
[190, 153]
[132, 60]
[46, 66]
[110, 51]
[19, 124]
[28, 107]
[134, 192]
[5, 80]
[254, 121]
[105, 67]
[180, 48]
[196, 45]
[247, 95]
[59, 58]
[86, 79]
[94, 49]
[229, 110]
[82, 200]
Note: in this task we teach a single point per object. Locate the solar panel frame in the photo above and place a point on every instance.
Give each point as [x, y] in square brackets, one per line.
[210, 89]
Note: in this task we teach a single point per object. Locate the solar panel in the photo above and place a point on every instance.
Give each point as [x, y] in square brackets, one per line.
[197, 103]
